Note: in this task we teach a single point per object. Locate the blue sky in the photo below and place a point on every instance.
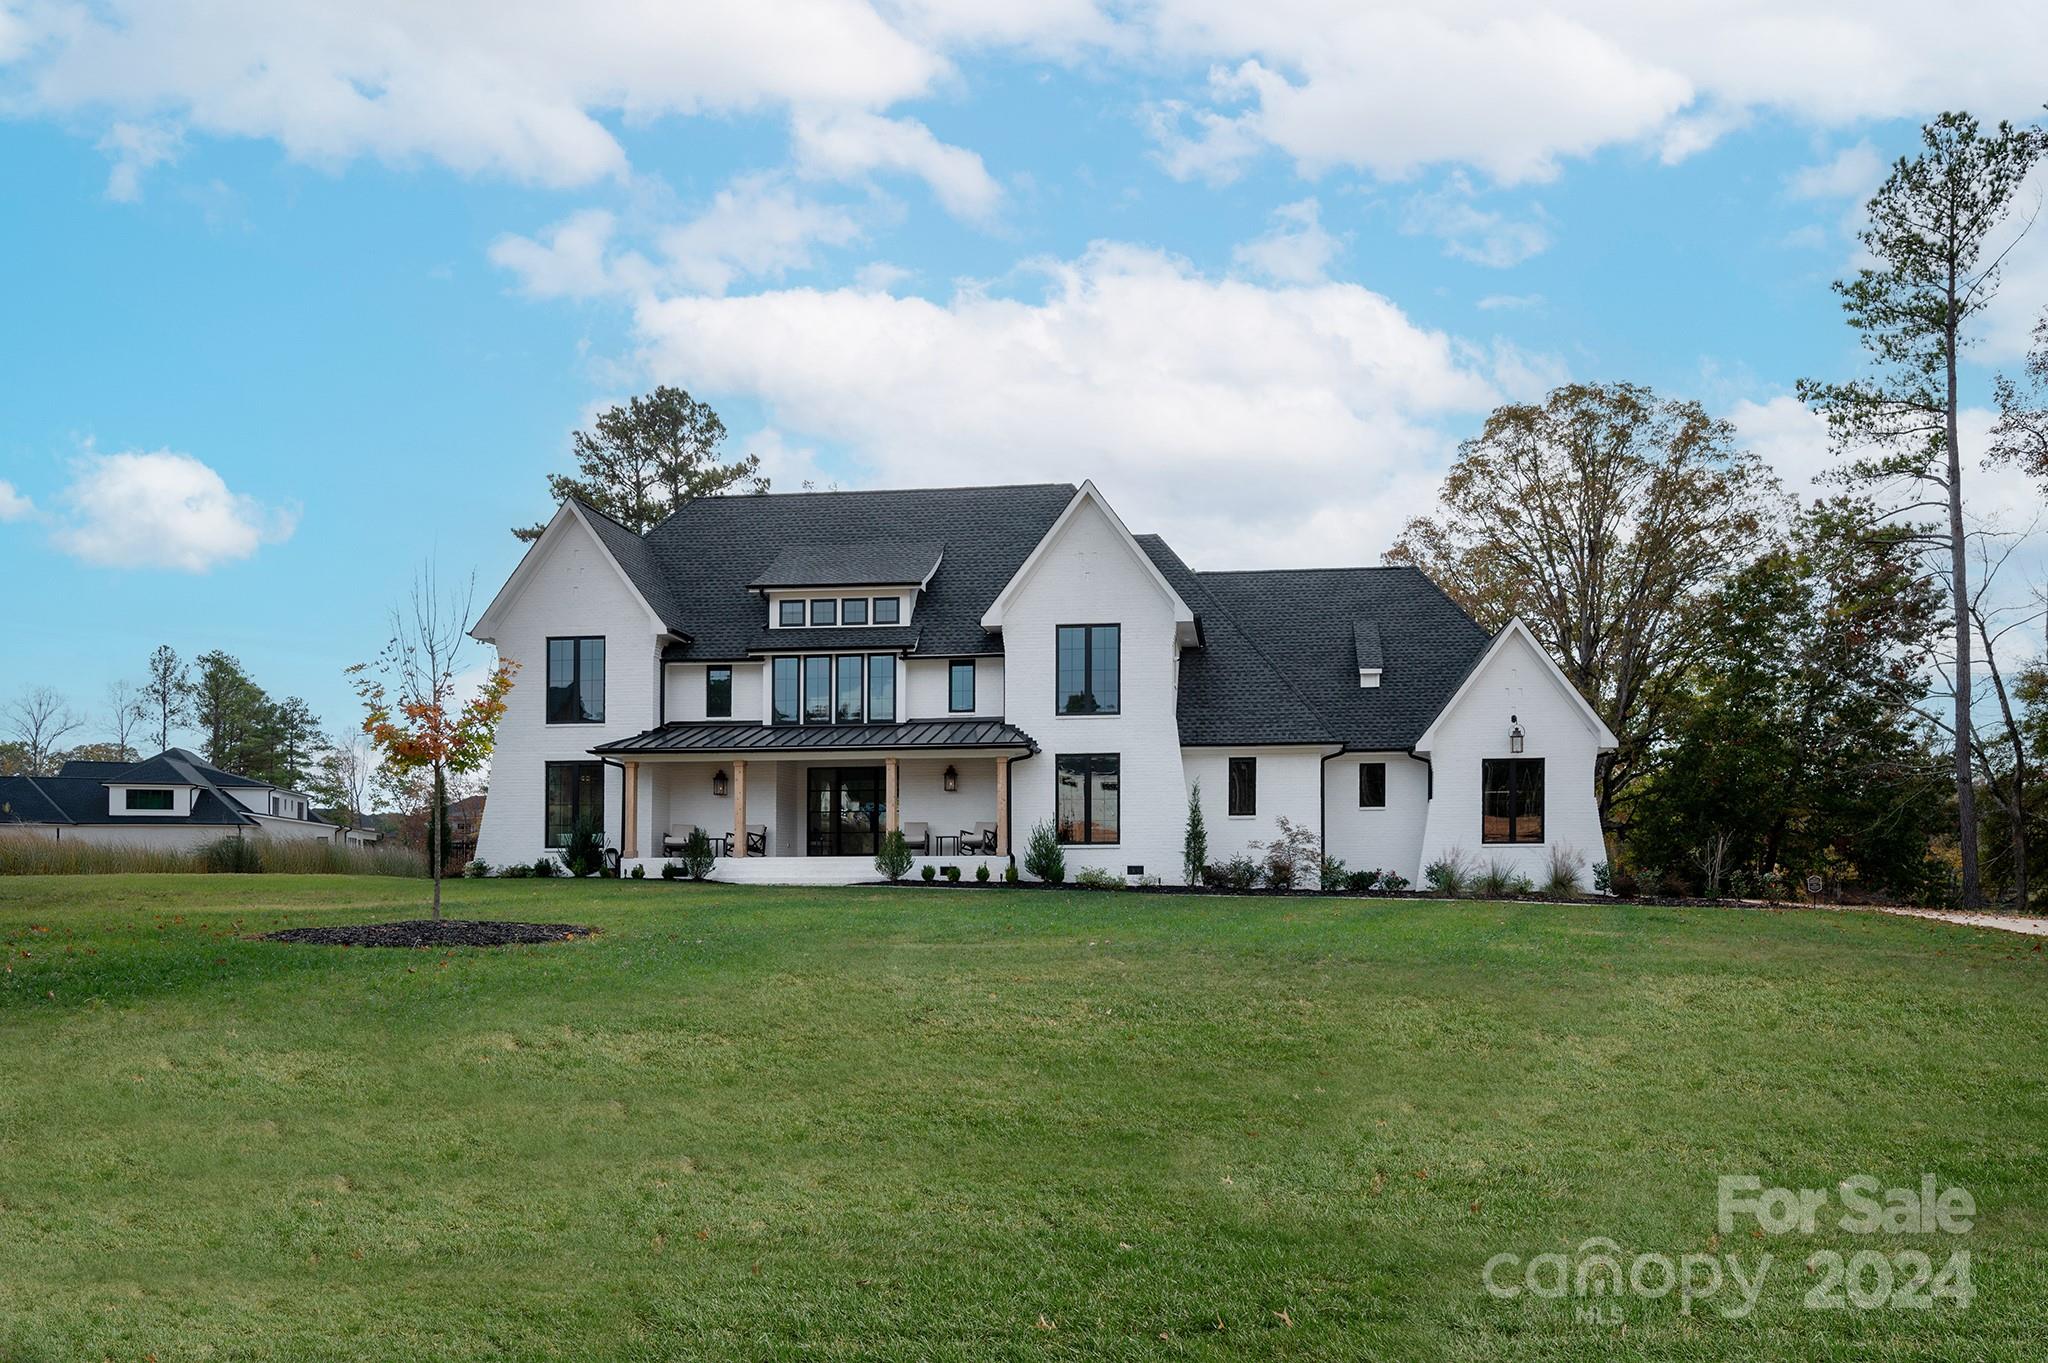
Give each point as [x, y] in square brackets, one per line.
[293, 303]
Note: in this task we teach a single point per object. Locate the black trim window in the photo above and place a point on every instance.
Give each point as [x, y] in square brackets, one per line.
[817, 690]
[575, 795]
[853, 611]
[960, 686]
[1511, 799]
[792, 614]
[851, 690]
[888, 610]
[576, 680]
[153, 801]
[787, 689]
[825, 612]
[1088, 670]
[1089, 797]
[1244, 786]
[1372, 785]
[882, 689]
[718, 693]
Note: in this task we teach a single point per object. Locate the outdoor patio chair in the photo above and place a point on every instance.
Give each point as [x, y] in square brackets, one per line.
[757, 839]
[918, 838]
[677, 836]
[981, 841]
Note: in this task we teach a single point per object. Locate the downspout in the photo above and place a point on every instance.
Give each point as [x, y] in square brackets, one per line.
[1323, 809]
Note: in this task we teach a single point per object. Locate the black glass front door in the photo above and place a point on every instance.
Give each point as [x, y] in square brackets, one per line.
[843, 808]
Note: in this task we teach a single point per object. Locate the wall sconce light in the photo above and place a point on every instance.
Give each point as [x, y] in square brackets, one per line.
[1514, 735]
[718, 781]
[952, 779]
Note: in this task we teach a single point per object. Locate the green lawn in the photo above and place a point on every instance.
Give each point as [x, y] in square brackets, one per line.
[812, 1125]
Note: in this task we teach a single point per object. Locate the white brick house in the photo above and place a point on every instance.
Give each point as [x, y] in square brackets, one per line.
[796, 673]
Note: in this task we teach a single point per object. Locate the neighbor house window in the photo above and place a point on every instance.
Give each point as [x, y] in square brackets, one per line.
[817, 690]
[576, 681]
[575, 795]
[718, 693]
[1372, 785]
[846, 709]
[888, 610]
[960, 686]
[1088, 669]
[792, 613]
[1088, 797]
[1511, 799]
[853, 611]
[824, 612]
[881, 689]
[1244, 786]
[149, 799]
[786, 690]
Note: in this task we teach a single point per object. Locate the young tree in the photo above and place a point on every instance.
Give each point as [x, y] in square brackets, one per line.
[649, 457]
[412, 711]
[166, 696]
[1601, 516]
[39, 720]
[1930, 224]
[341, 777]
[1194, 847]
[126, 713]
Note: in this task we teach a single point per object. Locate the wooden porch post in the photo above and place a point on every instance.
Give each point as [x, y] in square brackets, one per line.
[892, 817]
[739, 807]
[629, 839]
[1002, 806]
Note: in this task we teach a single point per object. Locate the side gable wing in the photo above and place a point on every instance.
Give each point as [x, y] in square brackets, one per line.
[1514, 629]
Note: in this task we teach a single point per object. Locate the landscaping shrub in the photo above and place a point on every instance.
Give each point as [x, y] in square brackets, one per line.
[893, 857]
[1044, 857]
[698, 858]
[584, 852]
[1292, 855]
[1330, 874]
[930, 873]
[1565, 866]
[1096, 878]
[1499, 880]
[1194, 848]
[671, 871]
[518, 870]
[477, 869]
[1010, 876]
[1238, 875]
[981, 873]
[546, 868]
[1449, 875]
[639, 872]
[232, 856]
[28, 855]
[1392, 883]
[951, 873]
[1603, 877]
[1362, 882]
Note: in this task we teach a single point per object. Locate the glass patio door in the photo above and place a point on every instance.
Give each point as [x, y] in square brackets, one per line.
[842, 811]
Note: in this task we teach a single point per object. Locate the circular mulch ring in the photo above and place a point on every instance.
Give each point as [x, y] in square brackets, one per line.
[428, 932]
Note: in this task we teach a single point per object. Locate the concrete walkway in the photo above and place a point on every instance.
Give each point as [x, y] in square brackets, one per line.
[2005, 922]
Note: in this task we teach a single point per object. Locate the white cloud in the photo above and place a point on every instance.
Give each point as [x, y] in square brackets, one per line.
[849, 146]
[1495, 302]
[134, 148]
[161, 509]
[1852, 173]
[1483, 236]
[1296, 250]
[1216, 406]
[14, 505]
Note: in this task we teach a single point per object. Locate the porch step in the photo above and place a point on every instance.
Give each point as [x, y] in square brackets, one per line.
[818, 870]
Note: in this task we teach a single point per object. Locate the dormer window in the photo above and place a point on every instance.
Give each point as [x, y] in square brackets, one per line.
[825, 612]
[150, 801]
[792, 616]
[853, 610]
[888, 610]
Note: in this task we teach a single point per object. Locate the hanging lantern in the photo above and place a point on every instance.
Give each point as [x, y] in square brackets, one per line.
[718, 781]
[952, 779]
[1514, 735]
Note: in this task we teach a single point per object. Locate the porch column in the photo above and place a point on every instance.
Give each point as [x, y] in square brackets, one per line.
[629, 841]
[739, 807]
[892, 817]
[1002, 806]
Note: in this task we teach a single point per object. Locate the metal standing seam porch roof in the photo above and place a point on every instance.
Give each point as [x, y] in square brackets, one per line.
[720, 738]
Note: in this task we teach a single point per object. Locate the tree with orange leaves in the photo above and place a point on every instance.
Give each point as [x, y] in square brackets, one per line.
[412, 712]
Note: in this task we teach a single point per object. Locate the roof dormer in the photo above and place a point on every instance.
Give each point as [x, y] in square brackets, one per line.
[1365, 638]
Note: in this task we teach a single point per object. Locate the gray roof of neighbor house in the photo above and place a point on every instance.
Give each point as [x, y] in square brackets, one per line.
[878, 563]
[78, 793]
[729, 737]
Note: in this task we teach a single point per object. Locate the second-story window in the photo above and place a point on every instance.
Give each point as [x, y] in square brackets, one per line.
[882, 689]
[1088, 670]
[960, 686]
[888, 610]
[1244, 786]
[576, 681]
[853, 610]
[786, 690]
[817, 690]
[792, 615]
[846, 705]
[718, 693]
[825, 612]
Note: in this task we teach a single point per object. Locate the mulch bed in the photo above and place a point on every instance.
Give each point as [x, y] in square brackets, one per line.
[428, 932]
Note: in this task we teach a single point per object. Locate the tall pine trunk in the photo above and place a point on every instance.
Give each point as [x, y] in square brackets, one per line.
[1959, 565]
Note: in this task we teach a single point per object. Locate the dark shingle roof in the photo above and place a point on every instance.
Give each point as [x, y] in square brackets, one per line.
[1365, 636]
[1303, 620]
[744, 737]
[83, 799]
[709, 552]
[165, 770]
[843, 639]
[874, 564]
[631, 553]
[99, 771]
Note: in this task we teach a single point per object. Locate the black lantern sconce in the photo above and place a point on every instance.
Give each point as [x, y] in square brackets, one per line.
[1514, 735]
[952, 779]
[718, 781]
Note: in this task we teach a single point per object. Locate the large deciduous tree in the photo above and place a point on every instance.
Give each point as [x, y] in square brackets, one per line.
[1601, 516]
[643, 460]
[1932, 235]
[40, 719]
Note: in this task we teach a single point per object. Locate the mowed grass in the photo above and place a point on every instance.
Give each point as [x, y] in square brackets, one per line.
[799, 1124]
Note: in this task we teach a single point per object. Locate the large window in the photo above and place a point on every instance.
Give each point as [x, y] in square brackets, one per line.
[888, 610]
[787, 690]
[575, 795]
[881, 689]
[1088, 669]
[576, 681]
[1372, 785]
[149, 799]
[846, 707]
[960, 686]
[1244, 786]
[825, 612]
[1088, 797]
[1511, 799]
[792, 614]
[718, 693]
[817, 690]
[853, 610]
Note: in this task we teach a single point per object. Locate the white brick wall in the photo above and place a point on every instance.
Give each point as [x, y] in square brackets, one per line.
[686, 693]
[928, 694]
[1388, 839]
[1287, 784]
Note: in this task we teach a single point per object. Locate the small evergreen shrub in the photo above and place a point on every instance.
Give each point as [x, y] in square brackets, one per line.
[671, 871]
[952, 874]
[893, 857]
[930, 873]
[1194, 848]
[1449, 875]
[1392, 883]
[1096, 878]
[1236, 876]
[698, 858]
[1044, 857]
[584, 852]
[639, 872]
[477, 869]
[546, 868]
[1010, 876]
[1331, 874]
[1603, 877]
[518, 870]
[981, 873]
[1363, 882]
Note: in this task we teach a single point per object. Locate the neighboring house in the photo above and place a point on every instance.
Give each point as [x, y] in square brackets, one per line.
[465, 822]
[175, 799]
[796, 673]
